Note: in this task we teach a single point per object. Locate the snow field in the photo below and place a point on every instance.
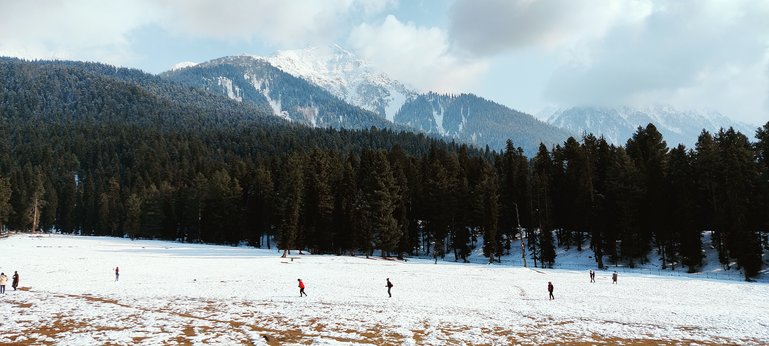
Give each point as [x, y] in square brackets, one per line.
[190, 293]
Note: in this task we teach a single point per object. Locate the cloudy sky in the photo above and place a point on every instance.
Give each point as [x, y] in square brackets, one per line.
[526, 54]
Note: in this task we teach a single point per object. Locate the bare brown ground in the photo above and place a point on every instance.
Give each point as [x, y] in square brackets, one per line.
[204, 325]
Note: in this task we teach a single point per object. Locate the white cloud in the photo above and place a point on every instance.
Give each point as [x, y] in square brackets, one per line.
[691, 53]
[420, 56]
[77, 29]
[282, 23]
[494, 26]
[97, 30]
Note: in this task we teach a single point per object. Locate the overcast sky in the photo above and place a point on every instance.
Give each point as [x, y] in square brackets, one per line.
[526, 54]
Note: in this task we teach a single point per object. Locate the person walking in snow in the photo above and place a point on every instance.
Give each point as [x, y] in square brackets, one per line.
[117, 273]
[614, 278]
[301, 288]
[3, 281]
[592, 276]
[550, 289]
[15, 282]
[389, 285]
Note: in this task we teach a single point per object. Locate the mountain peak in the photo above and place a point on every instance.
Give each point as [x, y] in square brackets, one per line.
[345, 75]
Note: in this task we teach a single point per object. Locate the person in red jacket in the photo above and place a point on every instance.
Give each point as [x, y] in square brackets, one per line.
[550, 289]
[301, 288]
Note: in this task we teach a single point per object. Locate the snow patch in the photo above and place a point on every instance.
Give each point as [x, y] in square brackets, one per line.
[182, 65]
[233, 92]
[263, 87]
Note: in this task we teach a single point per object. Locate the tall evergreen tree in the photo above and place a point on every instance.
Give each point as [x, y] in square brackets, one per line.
[681, 209]
[319, 201]
[289, 202]
[625, 193]
[740, 176]
[706, 164]
[648, 151]
[487, 211]
[542, 167]
[5, 198]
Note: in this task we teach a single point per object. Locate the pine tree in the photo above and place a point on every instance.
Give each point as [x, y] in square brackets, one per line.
[706, 164]
[319, 201]
[5, 205]
[381, 195]
[398, 160]
[487, 211]
[438, 200]
[344, 208]
[66, 215]
[625, 193]
[681, 209]
[740, 176]
[762, 206]
[133, 216]
[648, 151]
[289, 202]
[542, 166]
[262, 204]
[36, 200]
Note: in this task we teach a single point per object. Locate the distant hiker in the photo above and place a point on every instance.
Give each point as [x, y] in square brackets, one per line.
[117, 273]
[592, 276]
[15, 282]
[614, 278]
[389, 286]
[550, 289]
[3, 281]
[301, 288]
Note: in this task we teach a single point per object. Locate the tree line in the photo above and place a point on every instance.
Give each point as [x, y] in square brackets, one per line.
[94, 150]
[226, 187]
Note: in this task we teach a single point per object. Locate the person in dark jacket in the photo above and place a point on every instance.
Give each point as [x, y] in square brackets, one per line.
[117, 273]
[592, 276]
[550, 289]
[389, 285]
[15, 282]
[301, 288]
[614, 278]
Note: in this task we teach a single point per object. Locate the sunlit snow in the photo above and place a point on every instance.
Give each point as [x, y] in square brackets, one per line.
[170, 293]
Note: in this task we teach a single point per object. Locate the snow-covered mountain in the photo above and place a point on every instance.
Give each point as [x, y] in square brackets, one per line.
[254, 80]
[472, 119]
[617, 124]
[346, 76]
[329, 86]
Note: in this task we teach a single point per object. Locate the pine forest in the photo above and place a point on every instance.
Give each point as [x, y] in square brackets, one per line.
[95, 150]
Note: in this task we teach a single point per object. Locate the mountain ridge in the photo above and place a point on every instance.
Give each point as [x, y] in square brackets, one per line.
[617, 124]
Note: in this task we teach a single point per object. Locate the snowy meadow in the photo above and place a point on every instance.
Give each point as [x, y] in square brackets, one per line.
[203, 294]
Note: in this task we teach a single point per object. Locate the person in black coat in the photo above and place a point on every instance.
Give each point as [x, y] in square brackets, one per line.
[389, 285]
[550, 289]
[15, 282]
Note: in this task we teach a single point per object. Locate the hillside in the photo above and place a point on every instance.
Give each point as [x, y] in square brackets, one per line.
[472, 119]
[254, 81]
[330, 86]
